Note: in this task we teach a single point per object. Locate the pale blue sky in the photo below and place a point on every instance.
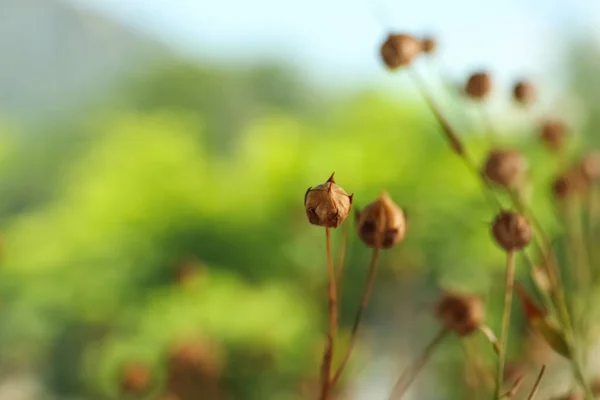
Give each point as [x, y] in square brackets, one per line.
[338, 39]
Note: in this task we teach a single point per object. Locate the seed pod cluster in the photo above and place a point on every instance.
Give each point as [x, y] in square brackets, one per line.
[553, 134]
[381, 224]
[524, 93]
[327, 204]
[399, 50]
[479, 85]
[460, 313]
[512, 231]
[507, 168]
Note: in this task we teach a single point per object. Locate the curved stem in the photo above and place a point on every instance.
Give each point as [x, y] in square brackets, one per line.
[328, 354]
[537, 383]
[508, 294]
[409, 375]
[357, 320]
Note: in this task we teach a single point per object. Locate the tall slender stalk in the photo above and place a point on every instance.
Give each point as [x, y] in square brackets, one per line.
[537, 383]
[329, 350]
[508, 294]
[357, 320]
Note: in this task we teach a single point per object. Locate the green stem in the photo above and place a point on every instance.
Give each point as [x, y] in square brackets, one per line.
[508, 294]
[326, 385]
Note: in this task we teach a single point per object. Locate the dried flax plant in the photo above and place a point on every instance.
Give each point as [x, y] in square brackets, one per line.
[561, 322]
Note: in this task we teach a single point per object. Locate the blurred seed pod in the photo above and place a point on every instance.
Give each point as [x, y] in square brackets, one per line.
[590, 166]
[569, 184]
[381, 224]
[524, 93]
[507, 168]
[187, 269]
[428, 45]
[479, 85]
[553, 134]
[460, 313]
[399, 50]
[136, 379]
[327, 204]
[512, 231]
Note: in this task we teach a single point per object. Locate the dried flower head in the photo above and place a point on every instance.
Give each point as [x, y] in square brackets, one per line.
[507, 168]
[524, 93]
[135, 378]
[381, 224]
[327, 205]
[512, 231]
[460, 313]
[570, 183]
[590, 166]
[428, 45]
[553, 134]
[399, 50]
[479, 85]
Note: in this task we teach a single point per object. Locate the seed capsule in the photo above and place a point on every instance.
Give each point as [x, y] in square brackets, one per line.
[428, 45]
[382, 224]
[399, 50]
[506, 168]
[512, 231]
[553, 134]
[460, 313]
[327, 204]
[479, 85]
[524, 93]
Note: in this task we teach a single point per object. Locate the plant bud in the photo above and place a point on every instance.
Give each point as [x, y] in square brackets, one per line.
[135, 379]
[590, 166]
[382, 224]
[399, 50]
[327, 205]
[524, 93]
[553, 134]
[428, 44]
[512, 231]
[462, 314]
[506, 168]
[479, 85]
[570, 183]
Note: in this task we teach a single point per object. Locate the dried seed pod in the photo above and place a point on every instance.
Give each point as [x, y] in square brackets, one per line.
[570, 183]
[327, 205]
[428, 45]
[399, 50]
[135, 379]
[506, 168]
[512, 231]
[381, 224]
[553, 134]
[479, 85]
[524, 93]
[590, 166]
[460, 313]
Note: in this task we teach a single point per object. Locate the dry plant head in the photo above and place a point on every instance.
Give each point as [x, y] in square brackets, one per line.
[381, 224]
[507, 168]
[512, 231]
[428, 44]
[479, 85]
[136, 379]
[569, 184]
[327, 204]
[590, 166]
[553, 134]
[524, 93]
[460, 313]
[399, 50]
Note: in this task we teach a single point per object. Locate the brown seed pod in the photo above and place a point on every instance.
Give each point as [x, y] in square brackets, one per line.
[512, 231]
[524, 93]
[479, 85]
[590, 166]
[553, 134]
[507, 168]
[136, 379]
[570, 183]
[399, 50]
[460, 313]
[381, 224]
[428, 45]
[327, 205]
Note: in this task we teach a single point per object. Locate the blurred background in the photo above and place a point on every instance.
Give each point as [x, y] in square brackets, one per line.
[154, 156]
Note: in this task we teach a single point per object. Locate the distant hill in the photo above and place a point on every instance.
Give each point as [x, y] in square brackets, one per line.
[54, 54]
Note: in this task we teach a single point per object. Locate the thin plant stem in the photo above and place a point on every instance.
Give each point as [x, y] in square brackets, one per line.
[358, 319]
[487, 123]
[538, 382]
[341, 258]
[409, 374]
[328, 354]
[508, 295]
